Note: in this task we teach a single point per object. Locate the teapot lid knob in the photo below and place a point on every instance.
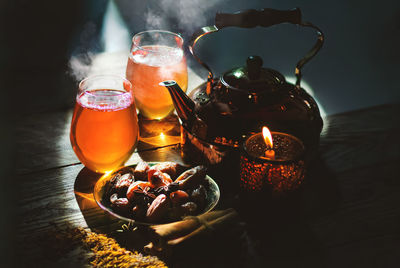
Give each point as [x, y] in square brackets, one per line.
[254, 66]
[253, 77]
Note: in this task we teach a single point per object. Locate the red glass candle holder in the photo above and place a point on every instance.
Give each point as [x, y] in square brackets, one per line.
[282, 174]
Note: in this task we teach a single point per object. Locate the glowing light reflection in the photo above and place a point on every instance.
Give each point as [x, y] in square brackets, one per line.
[309, 90]
[161, 140]
[115, 34]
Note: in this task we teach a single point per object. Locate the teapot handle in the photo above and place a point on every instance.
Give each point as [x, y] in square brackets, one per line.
[252, 18]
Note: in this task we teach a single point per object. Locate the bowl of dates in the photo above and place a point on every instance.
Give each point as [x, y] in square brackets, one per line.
[156, 192]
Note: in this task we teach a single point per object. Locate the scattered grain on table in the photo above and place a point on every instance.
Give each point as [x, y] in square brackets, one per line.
[104, 251]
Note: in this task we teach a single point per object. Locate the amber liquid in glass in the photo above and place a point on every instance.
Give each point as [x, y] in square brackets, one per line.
[148, 67]
[104, 129]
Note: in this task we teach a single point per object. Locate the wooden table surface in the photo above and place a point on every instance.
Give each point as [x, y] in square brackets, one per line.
[347, 214]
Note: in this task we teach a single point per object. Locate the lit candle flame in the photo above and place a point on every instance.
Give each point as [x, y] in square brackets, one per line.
[267, 137]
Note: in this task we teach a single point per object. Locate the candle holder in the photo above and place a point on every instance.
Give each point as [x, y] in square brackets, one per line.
[282, 174]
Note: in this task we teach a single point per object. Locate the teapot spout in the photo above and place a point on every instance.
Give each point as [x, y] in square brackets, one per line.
[183, 104]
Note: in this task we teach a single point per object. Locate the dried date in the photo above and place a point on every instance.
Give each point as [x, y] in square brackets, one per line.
[121, 204]
[140, 172]
[113, 197]
[122, 184]
[158, 179]
[158, 208]
[192, 177]
[178, 197]
[138, 187]
[149, 194]
[171, 168]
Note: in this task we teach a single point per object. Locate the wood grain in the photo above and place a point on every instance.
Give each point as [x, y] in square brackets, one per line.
[43, 141]
[347, 214]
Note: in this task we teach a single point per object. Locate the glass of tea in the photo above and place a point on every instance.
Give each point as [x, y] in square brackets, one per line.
[104, 128]
[156, 56]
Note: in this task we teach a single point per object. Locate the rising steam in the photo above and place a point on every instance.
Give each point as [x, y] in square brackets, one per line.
[79, 66]
[187, 15]
[114, 39]
[174, 15]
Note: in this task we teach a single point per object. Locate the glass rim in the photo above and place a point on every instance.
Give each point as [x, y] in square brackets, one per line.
[109, 76]
[134, 43]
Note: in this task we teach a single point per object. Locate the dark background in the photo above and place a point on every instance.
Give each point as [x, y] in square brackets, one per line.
[357, 67]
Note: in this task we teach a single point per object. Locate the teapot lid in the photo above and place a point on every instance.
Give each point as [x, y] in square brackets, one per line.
[253, 77]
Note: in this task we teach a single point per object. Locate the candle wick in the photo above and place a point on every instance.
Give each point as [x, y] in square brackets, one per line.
[270, 153]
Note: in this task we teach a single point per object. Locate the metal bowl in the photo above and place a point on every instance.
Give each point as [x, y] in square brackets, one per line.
[213, 195]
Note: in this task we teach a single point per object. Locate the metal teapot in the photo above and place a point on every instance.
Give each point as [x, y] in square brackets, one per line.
[218, 115]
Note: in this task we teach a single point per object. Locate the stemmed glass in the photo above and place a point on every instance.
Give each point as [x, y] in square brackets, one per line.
[104, 128]
[156, 56]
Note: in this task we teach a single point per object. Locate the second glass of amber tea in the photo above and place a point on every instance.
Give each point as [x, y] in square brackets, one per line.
[156, 56]
[104, 128]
